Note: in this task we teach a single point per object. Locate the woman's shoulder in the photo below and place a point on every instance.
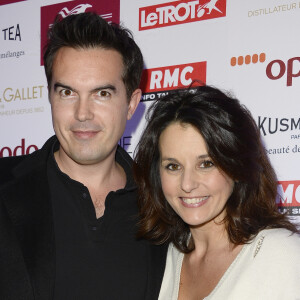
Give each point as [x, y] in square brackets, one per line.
[278, 241]
[282, 234]
[170, 284]
[174, 253]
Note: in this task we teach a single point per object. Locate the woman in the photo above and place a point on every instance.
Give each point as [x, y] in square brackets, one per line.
[207, 187]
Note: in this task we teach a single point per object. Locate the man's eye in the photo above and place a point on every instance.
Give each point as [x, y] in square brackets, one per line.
[65, 93]
[104, 94]
[206, 164]
[173, 167]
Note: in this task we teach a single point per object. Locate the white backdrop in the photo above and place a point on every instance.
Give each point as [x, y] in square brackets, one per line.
[250, 48]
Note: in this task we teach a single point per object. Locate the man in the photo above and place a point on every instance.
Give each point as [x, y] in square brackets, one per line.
[68, 214]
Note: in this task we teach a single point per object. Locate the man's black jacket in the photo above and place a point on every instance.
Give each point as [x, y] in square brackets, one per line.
[27, 238]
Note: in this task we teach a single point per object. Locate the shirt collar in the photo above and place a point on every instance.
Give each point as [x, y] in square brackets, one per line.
[122, 158]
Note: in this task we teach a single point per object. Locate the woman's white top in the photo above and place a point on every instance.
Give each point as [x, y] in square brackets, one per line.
[266, 269]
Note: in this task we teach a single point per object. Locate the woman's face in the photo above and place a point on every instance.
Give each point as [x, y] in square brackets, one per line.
[194, 187]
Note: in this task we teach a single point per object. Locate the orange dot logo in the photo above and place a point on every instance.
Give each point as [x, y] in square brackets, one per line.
[233, 61]
[254, 58]
[240, 60]
[262, 57]
[247, 59]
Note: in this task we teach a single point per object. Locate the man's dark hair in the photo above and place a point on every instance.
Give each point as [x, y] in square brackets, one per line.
[88, 30]
[233, 143]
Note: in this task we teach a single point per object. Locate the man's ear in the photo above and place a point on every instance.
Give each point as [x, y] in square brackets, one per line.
[133, 103]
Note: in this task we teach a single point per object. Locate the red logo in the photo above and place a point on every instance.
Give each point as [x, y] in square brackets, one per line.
[109, 10]
[289, 196]
[172, 77]
[158, 82]
[277, 68]
[3, 2]
[180, 12]
[19, 150]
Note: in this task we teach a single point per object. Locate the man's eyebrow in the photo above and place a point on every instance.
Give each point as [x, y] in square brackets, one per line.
[60, 85]
[104, 87]
[99, 88]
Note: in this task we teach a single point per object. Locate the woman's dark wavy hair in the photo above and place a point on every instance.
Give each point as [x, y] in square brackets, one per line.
[234, 144]
[88, 30]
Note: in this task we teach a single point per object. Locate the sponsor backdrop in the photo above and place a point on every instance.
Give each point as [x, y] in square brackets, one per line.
[249, 48]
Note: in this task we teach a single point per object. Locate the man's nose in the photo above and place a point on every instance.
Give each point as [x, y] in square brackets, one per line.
[84, 110]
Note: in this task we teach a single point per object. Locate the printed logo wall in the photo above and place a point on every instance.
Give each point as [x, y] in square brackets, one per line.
[109, 10]
[24, 105]
[289, 197]
[180, 12]
[3, 2]
[246, 47]
[280, 128]
[214, 43]
[20, 96]
[158, 82]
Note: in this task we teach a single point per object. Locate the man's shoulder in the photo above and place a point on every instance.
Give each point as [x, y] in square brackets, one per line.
[7, 165]
[126, 162]
[123, 157]
[19, 166]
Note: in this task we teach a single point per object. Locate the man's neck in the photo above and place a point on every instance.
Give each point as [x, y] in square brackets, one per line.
[107, 173]
[100, 178]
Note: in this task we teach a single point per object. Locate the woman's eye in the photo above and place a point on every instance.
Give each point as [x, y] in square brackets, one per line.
[206, 164]
[173, 167]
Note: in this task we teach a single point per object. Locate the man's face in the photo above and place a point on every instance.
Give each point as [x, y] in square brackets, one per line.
[89, 103]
